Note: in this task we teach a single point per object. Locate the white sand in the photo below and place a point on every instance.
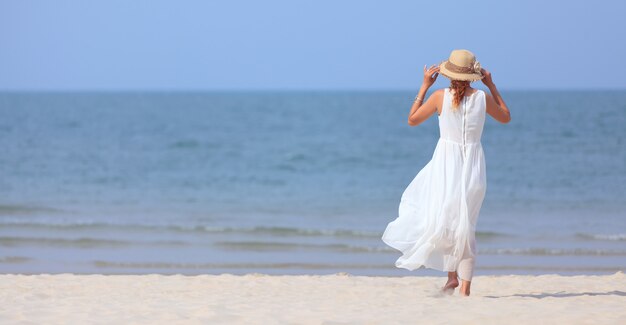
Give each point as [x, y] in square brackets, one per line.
[323, 299]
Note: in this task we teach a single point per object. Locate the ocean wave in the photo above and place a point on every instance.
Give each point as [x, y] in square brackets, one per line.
[25, 210]
[260, 230]
[77, 242]
[338, 247]
[273, 230]
[14, 259]
[551, 268]
[273, 246]
[169, 265]
[184, 144]
[329, 266]
[552, 252]
[612, 237]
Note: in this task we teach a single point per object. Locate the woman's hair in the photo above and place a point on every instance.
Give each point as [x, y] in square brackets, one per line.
[459, 87]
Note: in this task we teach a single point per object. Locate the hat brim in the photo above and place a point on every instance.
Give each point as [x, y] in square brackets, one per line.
[458, 76]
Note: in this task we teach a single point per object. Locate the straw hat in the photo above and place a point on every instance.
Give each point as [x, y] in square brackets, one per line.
[462, 65]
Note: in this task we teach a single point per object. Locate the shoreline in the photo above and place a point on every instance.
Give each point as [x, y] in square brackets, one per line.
[309, 299]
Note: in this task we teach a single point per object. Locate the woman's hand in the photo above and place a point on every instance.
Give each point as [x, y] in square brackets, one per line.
[487, 77]
[430, 75]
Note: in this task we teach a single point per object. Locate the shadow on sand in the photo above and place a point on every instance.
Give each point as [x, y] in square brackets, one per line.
[564, 294]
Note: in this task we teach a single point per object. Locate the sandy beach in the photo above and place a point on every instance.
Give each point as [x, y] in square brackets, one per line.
[339, 298]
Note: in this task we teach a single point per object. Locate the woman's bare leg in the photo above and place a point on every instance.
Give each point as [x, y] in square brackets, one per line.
[466, 272]
[465, 288]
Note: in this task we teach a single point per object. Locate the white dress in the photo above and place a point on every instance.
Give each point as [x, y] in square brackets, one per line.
[438, 210]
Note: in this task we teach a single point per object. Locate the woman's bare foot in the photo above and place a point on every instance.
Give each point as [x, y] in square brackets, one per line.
[465, 288]
[452, 283]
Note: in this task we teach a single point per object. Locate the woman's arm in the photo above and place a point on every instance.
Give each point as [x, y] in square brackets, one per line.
[420, 112]
[496, 107]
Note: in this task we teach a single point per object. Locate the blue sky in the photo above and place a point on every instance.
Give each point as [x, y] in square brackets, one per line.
[257, 45]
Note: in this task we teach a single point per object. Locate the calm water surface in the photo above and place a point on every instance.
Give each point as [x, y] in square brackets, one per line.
[295, 182]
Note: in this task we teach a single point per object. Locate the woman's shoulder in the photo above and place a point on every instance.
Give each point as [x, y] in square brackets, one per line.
[438, 94]
[440, 91]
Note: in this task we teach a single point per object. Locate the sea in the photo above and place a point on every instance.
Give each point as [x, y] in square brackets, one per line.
[295, 182]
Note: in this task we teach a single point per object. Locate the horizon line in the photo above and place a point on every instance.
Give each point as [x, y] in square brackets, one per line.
[270, 90]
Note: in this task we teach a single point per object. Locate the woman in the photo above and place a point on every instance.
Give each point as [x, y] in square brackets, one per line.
[439, 208]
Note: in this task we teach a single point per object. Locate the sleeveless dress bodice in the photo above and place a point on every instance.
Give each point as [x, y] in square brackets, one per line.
[438, 211]
[465, 125]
